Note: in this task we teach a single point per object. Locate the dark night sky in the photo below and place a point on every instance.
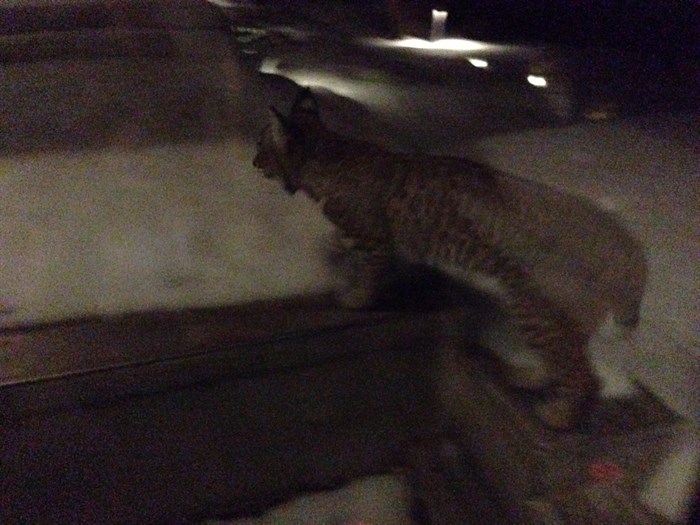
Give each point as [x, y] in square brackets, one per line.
[639, 24]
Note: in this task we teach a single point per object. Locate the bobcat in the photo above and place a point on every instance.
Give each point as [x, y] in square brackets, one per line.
[556, 263]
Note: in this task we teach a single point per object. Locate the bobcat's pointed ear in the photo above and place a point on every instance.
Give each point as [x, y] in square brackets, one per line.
[306, 102]
[279, 128]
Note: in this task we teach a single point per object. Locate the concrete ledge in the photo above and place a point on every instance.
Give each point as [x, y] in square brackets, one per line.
[211, 413]
[132, 353]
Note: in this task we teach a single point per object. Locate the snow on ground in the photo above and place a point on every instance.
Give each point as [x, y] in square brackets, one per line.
[375, 500]
[109, 231]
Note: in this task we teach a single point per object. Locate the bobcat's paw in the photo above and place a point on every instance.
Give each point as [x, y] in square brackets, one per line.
[355, 298]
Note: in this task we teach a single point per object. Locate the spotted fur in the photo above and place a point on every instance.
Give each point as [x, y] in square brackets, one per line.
[558, 264]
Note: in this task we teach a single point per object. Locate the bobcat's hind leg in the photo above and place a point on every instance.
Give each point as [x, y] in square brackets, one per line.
[562, 343]
[365, 271]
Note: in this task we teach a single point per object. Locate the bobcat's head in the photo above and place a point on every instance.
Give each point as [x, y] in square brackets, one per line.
[287, 142]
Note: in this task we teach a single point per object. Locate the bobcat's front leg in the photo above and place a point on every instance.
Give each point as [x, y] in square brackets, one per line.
[365, 272]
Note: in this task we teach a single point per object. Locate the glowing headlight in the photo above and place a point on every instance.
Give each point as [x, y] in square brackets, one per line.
[478, 62]
[537, 81]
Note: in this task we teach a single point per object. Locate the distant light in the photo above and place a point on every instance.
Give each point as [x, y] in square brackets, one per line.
[478, 62]
[537, 81]
[444, 44]
[437, 27]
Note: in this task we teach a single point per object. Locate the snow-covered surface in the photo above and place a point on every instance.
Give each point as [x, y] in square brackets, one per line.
[672, 486]
[115, 230]
[378, 500]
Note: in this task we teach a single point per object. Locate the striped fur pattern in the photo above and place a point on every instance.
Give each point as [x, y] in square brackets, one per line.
[557, 264]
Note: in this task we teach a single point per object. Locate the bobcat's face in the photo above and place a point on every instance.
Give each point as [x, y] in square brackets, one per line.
[285, 142]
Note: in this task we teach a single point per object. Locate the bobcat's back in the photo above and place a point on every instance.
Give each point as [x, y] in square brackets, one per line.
[576, 254]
